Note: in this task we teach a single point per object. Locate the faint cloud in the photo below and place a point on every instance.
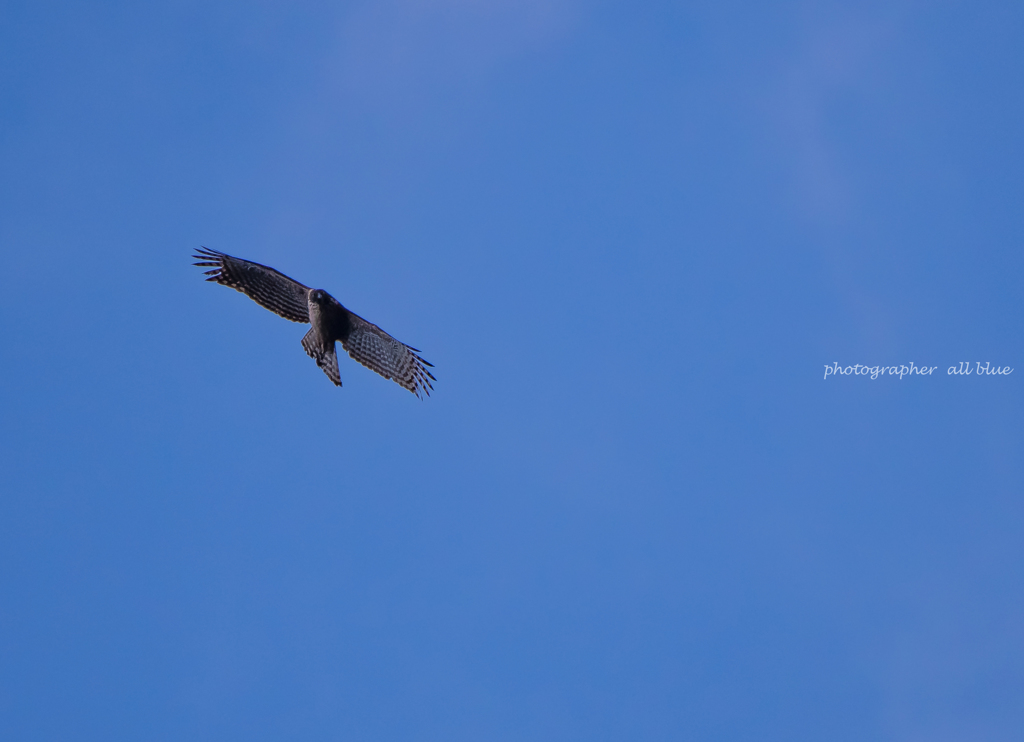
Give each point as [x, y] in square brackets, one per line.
[402, 45]
[806, 99]
[817, 98]
[393, 82]
[955, 680]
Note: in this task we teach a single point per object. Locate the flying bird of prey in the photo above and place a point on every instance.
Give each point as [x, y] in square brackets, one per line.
[330, 321]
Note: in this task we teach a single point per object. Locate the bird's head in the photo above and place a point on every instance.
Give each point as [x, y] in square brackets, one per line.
[318, 296]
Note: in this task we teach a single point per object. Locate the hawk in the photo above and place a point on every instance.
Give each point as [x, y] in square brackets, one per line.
[330, 321]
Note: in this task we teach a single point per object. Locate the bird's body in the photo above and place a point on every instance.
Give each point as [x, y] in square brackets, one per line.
[331, 322]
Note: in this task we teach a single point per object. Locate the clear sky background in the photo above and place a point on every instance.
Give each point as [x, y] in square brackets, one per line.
[629, 236]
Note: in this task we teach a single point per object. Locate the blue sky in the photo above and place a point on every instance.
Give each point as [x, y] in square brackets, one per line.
[630, 237]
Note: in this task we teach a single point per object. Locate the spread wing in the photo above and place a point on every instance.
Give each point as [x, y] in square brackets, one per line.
[264, 285]
[380, 352]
